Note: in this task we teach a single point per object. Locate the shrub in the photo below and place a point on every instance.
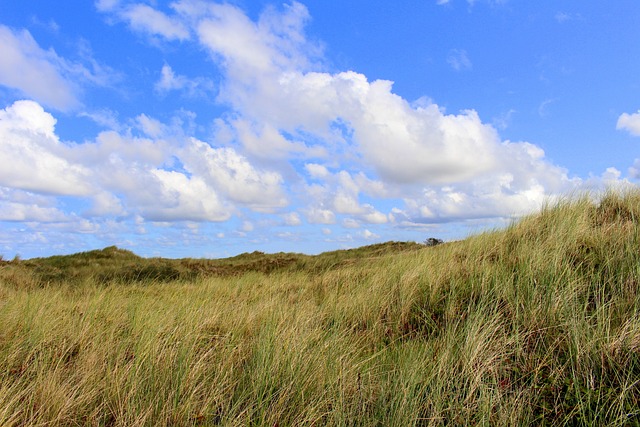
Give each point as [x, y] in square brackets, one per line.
[432, 241]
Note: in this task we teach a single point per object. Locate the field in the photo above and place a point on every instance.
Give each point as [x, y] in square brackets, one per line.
[537, 323]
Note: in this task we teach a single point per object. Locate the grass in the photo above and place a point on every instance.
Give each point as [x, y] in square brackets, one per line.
[538, 323]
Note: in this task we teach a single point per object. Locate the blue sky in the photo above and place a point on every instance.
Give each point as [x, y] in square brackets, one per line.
[195, 128]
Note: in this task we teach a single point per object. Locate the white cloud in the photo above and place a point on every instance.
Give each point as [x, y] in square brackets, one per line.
[107, 5]
[40, 74]
[265, 141]
[292, 219]
[316, 171]
[252, 50]
[344, 142]
[125, 175]
[412, 148]
[105, 204]
[35, 72]
[630, 123]
[232, 174]
[105, 118]
[350, 223]
[368, 235]
[522, 187]
[24, 206]
[320, 216]
[231, 34]
[32, 156]
[373, 216]
[150, 126]
[170, 81]
[145, 19]
[184, 198]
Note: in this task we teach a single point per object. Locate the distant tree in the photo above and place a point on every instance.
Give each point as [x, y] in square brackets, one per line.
[432, 241]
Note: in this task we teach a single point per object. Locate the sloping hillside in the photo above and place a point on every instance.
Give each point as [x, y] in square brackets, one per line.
[112, 265]
[535, 324]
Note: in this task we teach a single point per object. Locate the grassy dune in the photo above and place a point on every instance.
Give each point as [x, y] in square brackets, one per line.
[538, 323]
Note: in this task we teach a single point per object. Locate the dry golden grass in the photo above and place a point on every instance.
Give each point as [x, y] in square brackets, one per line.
[538, 323]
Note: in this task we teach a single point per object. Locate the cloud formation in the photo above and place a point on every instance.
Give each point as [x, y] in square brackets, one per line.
[129, 175]
[459, 60]
[33, 157]
[630, 123]
[44, 76]
[360, 140]
[36, 73]
[297, 140]
[144, 18]
[271, 82]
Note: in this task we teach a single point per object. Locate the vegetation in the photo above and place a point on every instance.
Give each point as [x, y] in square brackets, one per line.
[538, 323]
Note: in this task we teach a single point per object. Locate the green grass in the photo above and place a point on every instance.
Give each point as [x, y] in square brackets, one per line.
[535, 324]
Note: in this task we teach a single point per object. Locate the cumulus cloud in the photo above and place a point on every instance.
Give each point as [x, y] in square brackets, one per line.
[284, 105]
[150, 126]
[630, 123]
[368, 235]
[32, 156]
[21, 206]
[292, 219]
[351, 150]
[184, 198]
[320, 216]
[233, 175]
[263, 140]
[121, 174]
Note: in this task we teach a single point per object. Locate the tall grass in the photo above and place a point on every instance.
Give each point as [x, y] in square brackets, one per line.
[536, 324]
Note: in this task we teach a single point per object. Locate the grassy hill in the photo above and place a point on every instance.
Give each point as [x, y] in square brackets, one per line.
[112, 265]
[538, 323]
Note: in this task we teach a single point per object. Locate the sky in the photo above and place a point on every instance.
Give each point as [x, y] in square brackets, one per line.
[193, 128]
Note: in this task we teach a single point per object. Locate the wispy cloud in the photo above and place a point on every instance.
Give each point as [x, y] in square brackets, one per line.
[35, 72]
[146, 20]
[503, 120]
[543, 108]
[42, 75]
[170, 81]
[459, 60]
[562, 17]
